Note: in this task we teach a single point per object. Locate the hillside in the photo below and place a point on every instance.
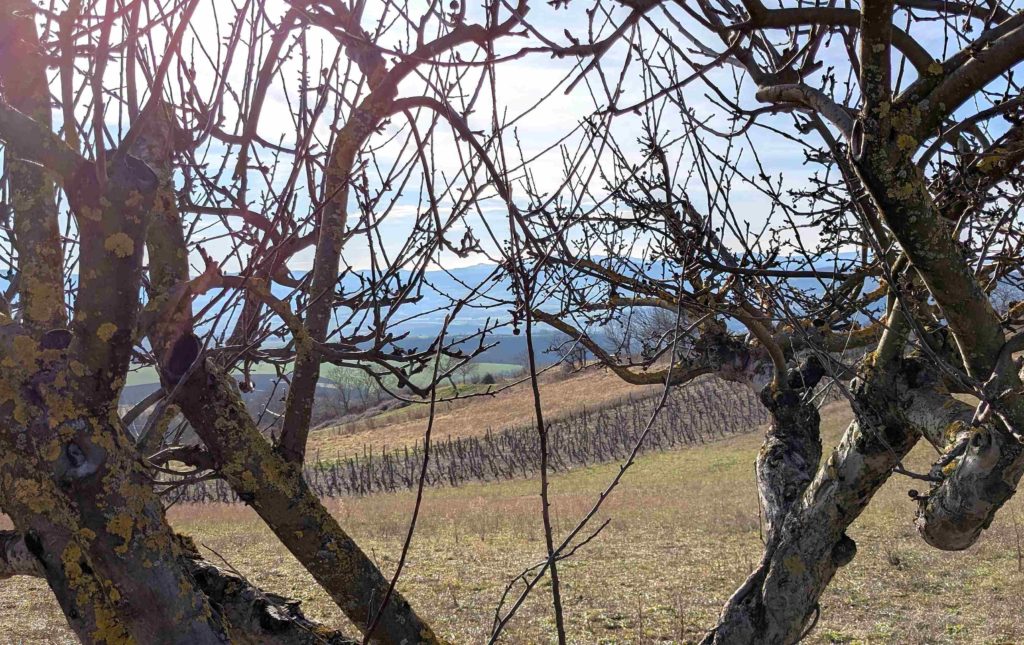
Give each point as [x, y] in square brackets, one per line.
[507, 406]
[487, 432]
[683, 534]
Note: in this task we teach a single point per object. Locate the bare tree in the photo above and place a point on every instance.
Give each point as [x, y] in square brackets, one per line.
[892, 241]
[202, 148]
[199, 153]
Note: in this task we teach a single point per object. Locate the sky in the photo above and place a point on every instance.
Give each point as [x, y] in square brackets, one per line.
[521, 84]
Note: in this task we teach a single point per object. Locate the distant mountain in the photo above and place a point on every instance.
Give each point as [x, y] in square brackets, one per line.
[422, 318]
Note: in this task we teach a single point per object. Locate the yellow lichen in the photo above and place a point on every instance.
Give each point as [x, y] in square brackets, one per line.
[906, 142]
[70, 558]
[134, 199]
[120, 245]
[108, 629]
[25, 348]
[106, 331]
[44, 300]
[90, 213]
[121, 526]
[51, 452]
[30, 493]
[21, 414]
[991, 161]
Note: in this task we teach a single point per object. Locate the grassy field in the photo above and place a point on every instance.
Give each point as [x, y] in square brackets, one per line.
[683, 535]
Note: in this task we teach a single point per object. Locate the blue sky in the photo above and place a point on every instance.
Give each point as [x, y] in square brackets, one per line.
[521, 84]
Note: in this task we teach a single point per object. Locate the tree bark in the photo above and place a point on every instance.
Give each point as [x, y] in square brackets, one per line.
[806, 546]
[69, 477]
[254, 616]
[983, 469]
[789, 456]
[272, 485]
[37, 234]
[72, 484]
[277, 491]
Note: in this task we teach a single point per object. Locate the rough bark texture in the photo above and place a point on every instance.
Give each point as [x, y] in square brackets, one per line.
[789, 456]
[974, 485]
[984, 476]
[807, 547]
[72, 483]
[277, 491]
[211, 402]
[37, 235]
[254, 616]
[69, 477]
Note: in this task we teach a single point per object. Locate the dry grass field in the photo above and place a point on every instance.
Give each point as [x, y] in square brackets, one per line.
[683, 534]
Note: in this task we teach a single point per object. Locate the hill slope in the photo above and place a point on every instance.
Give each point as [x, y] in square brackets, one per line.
[508, 406]
[683, 535]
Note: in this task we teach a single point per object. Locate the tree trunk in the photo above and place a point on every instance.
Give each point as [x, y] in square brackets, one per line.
[789, 456]
[780, 598]
[276, 489]
[69, 477]
[254, 616]
[37, 233]
[984, 469]
[263, 477]
[72, 484]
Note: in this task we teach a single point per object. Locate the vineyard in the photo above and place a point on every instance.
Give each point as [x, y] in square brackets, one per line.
[703, 411]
